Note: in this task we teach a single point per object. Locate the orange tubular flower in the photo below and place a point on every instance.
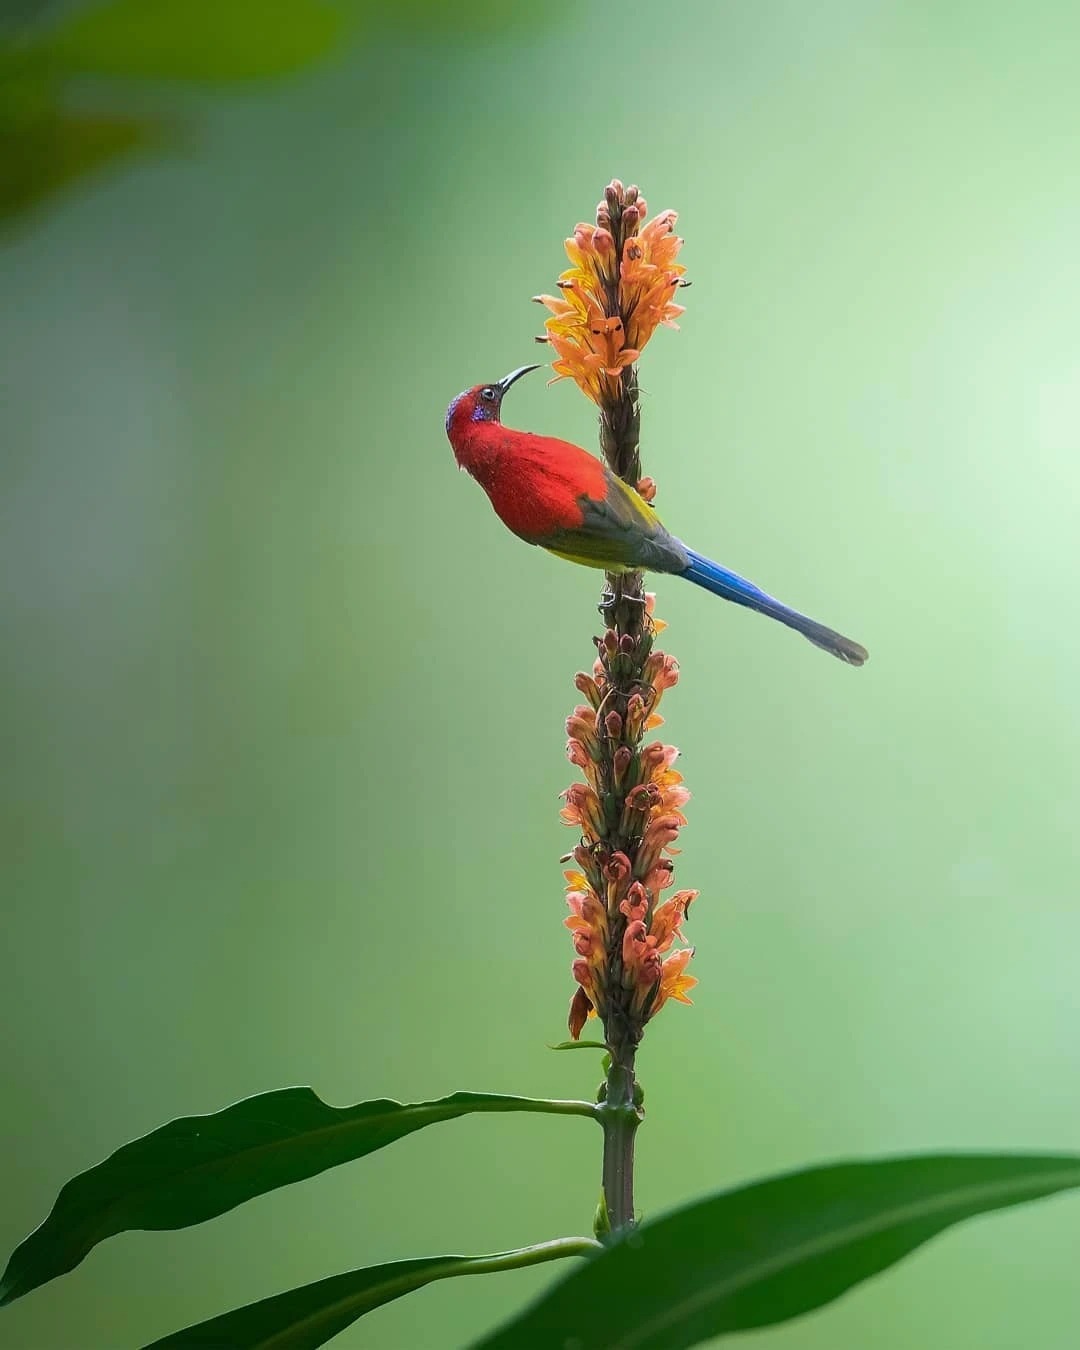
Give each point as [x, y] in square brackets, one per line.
[611, 305]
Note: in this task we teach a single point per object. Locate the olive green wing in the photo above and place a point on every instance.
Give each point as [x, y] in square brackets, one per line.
[619, 532]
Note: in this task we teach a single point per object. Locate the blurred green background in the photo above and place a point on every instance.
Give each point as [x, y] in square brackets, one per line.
[283, 703]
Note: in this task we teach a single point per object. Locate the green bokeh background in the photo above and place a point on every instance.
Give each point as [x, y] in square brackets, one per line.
[283, 703]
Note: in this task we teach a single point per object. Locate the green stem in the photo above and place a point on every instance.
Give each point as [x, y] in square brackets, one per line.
[547, 1106]
[535, 1255]
[619, 1118]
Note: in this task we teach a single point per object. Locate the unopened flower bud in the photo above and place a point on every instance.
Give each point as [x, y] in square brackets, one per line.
[650, 970]
[577, 754]
[646, 489]
[583, 943]
[633, 947]
[581, 725]
[582, 972]
[585, 684]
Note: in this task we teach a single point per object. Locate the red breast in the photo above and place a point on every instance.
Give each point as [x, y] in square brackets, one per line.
[534, 482]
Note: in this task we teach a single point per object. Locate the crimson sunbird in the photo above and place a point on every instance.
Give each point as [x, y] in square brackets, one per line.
[557, 495]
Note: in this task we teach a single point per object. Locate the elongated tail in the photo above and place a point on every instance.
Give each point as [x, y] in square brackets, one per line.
[731, 586]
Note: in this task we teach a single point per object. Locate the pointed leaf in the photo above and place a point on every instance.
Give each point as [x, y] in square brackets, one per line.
[200, 1166]
[207, 40]
[769, 1251]
[308, 1317]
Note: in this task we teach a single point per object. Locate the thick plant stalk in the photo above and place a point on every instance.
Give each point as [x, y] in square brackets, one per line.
[628, 809]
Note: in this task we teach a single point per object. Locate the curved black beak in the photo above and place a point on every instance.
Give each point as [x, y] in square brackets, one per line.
[507, 380]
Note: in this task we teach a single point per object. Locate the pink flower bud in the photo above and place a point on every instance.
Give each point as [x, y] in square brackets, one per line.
[581, 724]
[577, 754]
[633, 944]
[582, 972]
[585, 684]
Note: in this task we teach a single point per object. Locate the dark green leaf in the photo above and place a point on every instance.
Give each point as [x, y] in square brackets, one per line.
[578, 1045]
[771, 1250]
[41, 155]
[206, 40]
[200, 1166]
[305, 1318]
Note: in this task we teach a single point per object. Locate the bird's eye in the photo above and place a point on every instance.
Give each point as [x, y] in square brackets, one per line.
[488, 394]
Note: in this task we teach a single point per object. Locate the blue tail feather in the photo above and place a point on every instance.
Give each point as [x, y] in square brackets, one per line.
[703, 572]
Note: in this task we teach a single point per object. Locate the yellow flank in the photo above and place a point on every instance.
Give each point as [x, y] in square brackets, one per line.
[592, 562]
[637, 504]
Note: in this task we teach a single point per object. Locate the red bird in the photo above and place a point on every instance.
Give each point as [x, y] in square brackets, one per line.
[553, 493]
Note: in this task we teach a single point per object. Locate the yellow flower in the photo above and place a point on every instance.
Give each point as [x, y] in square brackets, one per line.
[674, 982]
[648, 278]
[616, 292]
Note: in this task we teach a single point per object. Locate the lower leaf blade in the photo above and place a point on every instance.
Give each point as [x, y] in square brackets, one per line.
[306, 1318]
[772, 1250]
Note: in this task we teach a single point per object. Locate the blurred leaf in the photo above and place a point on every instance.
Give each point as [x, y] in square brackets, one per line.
[40, 156]
[495, 18]
[203, 40]
[309, 1317]
[771, 1250]
[197, 1167]
[43, 147]
[578, 1045]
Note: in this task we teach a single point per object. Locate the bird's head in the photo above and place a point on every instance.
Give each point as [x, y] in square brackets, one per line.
[481, 403]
